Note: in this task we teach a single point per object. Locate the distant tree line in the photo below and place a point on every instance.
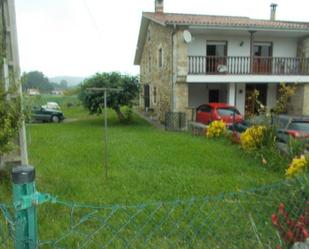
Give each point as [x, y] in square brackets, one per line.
[38, 80]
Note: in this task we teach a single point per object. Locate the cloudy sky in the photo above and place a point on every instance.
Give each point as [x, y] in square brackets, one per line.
[81, 37]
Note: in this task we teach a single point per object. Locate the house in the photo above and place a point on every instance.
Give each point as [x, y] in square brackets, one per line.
[186, 60]
[57, 92]
[33, 92]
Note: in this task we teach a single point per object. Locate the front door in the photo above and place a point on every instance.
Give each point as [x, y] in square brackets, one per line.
[251, 106]
[213, 96]
[146, 96]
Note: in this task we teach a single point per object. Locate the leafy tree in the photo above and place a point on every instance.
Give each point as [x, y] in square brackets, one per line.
[94, 101]
[37, 80]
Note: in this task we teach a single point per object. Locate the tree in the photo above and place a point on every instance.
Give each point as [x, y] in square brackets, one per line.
[93, 101]
[37, 80]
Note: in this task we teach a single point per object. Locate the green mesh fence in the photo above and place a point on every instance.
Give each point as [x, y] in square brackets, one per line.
[6, 227]
[233, 220]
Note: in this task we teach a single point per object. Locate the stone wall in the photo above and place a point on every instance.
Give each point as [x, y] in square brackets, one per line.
[300, 102]
[295, 105]
[181, 92]
[168, 80]
[159, 78]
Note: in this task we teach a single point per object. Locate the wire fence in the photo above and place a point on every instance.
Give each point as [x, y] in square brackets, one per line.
[243, 219]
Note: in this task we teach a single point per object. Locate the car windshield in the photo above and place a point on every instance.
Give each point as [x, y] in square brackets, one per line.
[227, 111]
[281, 122]
[299, 126]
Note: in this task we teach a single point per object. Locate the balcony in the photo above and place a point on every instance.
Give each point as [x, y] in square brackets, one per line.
[246, 65]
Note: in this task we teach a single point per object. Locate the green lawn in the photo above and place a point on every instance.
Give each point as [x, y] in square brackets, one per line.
[145, 164]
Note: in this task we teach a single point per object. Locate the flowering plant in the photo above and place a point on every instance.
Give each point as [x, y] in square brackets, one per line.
[253, 137]
[298, 165]
[291, 231]
[216, 129]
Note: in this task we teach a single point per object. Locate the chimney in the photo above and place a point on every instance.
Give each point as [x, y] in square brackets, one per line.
[273, 8]
[159, 6]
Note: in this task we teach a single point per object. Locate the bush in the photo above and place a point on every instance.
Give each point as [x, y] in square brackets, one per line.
[216, 129]
[253, 138]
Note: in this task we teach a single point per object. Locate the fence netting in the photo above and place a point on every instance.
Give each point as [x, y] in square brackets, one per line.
[264, 217]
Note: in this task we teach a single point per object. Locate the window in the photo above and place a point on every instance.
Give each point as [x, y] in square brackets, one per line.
[299, 126]
[216, 55]
[160, 55]
[149, 62]
[263, 49]
[216, 48]
[228, 111]
[154, 95]
[204, 108]
[148, 35]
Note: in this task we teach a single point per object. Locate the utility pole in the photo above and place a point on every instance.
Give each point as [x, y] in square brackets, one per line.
[105, 90]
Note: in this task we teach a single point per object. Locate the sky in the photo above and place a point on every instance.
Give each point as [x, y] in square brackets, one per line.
[82, 37]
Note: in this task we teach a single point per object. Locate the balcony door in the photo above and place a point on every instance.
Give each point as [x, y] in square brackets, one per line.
[262, 62]
[216, 52]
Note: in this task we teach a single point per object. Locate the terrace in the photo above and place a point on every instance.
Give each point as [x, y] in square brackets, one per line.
[247, 65]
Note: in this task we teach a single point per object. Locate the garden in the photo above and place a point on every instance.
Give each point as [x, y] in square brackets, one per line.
[164, 189]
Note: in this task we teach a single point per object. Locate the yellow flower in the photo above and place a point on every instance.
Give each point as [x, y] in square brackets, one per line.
[216, 129]
[252, 138]
[298, 164]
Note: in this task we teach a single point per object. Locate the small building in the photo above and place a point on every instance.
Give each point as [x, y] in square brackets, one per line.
[33, 92]
[187, 60]
[57, 92]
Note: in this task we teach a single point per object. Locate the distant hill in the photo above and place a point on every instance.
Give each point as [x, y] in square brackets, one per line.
[72, 81]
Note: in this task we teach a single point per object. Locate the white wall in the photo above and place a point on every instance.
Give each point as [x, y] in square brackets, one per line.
[199, 93]
[282, 47]
[198, 45]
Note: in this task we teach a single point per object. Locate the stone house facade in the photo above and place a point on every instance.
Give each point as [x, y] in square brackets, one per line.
[188, 60]
[10, 76]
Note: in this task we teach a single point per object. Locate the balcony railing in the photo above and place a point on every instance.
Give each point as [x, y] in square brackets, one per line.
[246, 65]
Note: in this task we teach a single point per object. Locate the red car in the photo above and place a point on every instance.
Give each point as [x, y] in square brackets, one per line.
[218, 111]
[289, 126]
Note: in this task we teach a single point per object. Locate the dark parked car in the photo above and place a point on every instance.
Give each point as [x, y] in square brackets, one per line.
[41, 114]
[291, 126]
[218, 111]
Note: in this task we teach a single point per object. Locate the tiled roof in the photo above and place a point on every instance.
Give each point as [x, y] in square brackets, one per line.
[232, 21]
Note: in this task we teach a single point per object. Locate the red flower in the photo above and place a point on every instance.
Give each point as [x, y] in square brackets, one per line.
[274, 220]
[305, 233]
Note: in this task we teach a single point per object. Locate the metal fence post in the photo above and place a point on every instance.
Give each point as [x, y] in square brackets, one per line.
[25, 210]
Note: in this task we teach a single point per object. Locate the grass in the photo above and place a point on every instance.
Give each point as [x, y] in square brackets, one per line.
[146, 165]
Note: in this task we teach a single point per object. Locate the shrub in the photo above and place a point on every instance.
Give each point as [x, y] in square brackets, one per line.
[216, 129]
[252, 138]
